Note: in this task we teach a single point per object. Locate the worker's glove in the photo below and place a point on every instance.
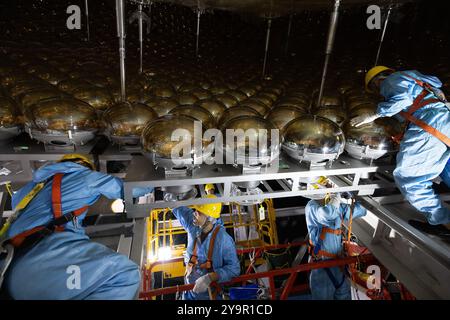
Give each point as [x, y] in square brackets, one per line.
[335, 200]
[364, 119]
[202, 284]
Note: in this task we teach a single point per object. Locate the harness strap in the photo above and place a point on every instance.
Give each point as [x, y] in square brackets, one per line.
[419, 82]
[316, 252]
[58, 222]
[56, 199]
[433, 131]
[20, 238]
[418, 103]
[194, 258]
[333, 279]
[211, 243]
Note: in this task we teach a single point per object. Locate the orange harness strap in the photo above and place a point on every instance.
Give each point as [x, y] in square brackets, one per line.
[20, 238]
[56, 199]
[320, 253]
[433, 131]
[324, 253]
[418, 103]
[194, 258]
[57, 212]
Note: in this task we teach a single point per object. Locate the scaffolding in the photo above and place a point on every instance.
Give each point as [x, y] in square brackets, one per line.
[254, 227]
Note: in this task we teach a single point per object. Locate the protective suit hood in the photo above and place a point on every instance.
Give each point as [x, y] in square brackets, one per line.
[50, 170]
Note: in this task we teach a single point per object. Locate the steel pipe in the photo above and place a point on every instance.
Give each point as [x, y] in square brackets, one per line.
[140, 38]
[288, 33]
[87, 18]
[120, 18]
[199, 13]
[269, 24]
[382, 35]
[329, 47]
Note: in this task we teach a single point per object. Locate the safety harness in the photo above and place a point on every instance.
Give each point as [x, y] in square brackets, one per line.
[193, 261]
[316, 252]
[208, 265]
[418, 103]
[31, 237]
[21, 243]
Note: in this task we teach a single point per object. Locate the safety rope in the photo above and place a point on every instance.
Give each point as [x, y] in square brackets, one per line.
[18, 209]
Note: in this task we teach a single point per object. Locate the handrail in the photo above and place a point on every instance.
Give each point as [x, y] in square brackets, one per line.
[270, 274]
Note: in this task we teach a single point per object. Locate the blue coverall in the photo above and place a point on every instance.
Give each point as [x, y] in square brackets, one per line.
[67, 265]
[421, 157]
[224, 260]
[318, 216]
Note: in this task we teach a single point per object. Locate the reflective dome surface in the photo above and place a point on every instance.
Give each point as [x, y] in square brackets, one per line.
[31, 97]
[162, 106]
[258, 106]
[128, 119]
[330, 100]
[156, 136]
[216, 108]
[228, 100]
[248, 150]
[236, 112]
[197, 112]
[99, 98]
[293, 102]
[70, 85]
[314, 139]
[8, 112]
[335, 114]
[280, 116]
[372, 140]
[63, 115]
[186, 98]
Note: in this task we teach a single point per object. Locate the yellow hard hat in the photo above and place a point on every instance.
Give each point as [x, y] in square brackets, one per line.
[210, 209]
[372, 73]
[78, 158]
[209, 186]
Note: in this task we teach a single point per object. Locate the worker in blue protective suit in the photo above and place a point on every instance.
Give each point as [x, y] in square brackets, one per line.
[54, 259]
[424, 149]
[324, 220]
[211, 252]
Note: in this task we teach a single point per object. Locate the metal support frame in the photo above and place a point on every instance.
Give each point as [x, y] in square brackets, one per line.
[113, 153]
[418, 261]
[138, 244]
[120, 18]
[266, 49]
[87, 19]
[329, 47]
[382, 34]
[20, 155]
[142, 173]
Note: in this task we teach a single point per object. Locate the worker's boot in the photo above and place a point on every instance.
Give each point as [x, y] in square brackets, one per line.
[438, 230]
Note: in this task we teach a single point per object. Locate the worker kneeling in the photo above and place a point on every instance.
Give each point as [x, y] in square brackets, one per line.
[211, 252]
[53, 258]
[324, 219]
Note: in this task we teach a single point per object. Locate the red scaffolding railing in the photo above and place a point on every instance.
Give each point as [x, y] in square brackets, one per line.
[286, 290]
